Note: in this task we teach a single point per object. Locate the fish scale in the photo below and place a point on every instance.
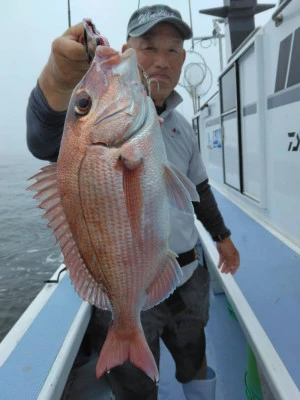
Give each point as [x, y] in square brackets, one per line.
[115, 227]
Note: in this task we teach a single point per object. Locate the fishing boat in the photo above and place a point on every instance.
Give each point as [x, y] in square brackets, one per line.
[249, 138]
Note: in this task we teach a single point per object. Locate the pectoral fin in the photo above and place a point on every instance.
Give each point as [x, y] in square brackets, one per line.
[165, 283]
[132, 167]
[180, 190]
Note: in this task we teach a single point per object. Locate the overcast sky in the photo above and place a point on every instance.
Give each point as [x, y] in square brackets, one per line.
[29, 27]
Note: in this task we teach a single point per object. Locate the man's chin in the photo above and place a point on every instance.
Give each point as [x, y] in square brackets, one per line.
[160, 95]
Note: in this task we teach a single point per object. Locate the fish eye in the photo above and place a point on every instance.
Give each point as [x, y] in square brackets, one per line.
[83, 103]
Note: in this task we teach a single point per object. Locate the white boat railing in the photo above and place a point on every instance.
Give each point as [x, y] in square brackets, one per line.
[11, 340]
[275, 373]
[277, 17]
[53, 374]
[58, 374]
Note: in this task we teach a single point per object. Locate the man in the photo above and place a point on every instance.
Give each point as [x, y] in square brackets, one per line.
[157, 34]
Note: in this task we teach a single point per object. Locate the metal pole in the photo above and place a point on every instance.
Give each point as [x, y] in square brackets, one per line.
[191, 22]
[221, 52]
[139, 4]
[69, 14]
[198, 105]
[194, 100]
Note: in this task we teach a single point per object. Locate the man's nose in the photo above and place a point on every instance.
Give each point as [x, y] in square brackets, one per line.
[161, 59]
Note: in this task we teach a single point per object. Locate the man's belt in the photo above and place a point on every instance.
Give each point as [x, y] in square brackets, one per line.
[187, 257]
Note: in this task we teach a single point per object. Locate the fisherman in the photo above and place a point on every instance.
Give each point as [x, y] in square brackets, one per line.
[157, 34]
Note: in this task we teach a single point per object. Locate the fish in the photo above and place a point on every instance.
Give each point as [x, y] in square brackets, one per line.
[108, 199]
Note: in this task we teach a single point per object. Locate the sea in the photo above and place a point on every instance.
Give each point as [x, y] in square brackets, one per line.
[28, 253]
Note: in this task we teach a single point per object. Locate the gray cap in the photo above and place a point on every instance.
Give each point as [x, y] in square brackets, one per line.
[145, 18]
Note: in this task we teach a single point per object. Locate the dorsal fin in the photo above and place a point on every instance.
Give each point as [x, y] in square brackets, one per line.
[84, 283]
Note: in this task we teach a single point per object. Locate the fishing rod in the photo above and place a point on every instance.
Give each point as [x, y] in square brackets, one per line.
[69, 14]
[191, 20]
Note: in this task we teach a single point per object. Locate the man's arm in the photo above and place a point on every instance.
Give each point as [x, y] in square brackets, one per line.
[209, 215]
[44, 127]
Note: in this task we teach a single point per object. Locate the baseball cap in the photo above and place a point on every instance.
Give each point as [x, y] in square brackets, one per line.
[145, 18]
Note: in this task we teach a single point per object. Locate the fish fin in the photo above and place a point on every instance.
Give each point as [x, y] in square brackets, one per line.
[47, 192]
[117, 349]
[131, 158]
[133, 192]
[181, 191]
[165, 283]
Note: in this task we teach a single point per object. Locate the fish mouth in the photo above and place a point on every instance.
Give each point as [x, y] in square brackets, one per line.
[126, 113]
[119, 63]
[106, 54]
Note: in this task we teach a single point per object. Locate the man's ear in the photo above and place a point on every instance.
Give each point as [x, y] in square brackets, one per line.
[183, 55]
[125, 47]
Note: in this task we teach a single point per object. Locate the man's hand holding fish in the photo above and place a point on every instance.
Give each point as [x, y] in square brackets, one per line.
[65, 68]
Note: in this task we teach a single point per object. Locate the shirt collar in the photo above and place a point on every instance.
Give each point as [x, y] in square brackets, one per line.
[172, 102]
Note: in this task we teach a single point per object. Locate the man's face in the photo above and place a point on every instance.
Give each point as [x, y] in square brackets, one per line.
[161, 55]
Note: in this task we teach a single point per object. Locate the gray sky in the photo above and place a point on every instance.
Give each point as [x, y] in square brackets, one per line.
[29, 27]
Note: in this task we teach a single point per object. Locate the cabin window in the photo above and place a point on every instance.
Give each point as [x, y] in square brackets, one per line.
[294, 73]
[240, 124]
[228, 82]
[288, 71]
[230, 129]
[283, 60]
[251, 133]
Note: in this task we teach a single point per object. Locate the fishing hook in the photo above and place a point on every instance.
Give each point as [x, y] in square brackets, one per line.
[149, 81]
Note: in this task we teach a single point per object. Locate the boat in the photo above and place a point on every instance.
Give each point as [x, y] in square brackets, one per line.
[249, 138]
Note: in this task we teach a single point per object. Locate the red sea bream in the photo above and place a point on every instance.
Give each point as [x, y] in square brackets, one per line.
[107, 199]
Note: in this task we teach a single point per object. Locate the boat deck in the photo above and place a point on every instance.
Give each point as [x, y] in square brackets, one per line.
[226, 354]
[269, 280]
[38, 353]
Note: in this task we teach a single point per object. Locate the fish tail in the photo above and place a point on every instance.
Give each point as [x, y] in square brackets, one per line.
[117, 350]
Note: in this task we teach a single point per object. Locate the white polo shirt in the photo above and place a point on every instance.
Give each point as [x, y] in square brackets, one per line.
[182, 150]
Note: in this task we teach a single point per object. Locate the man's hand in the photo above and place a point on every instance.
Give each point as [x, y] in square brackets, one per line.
[64, 69]
[229, 256]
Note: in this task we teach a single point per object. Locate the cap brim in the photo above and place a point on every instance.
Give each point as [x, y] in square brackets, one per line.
[183, 28]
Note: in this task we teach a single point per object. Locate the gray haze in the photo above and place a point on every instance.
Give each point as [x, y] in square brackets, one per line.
[29, 27]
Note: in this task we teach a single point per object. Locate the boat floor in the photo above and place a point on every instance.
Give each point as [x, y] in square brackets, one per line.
[268, 279]
[226, 354]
